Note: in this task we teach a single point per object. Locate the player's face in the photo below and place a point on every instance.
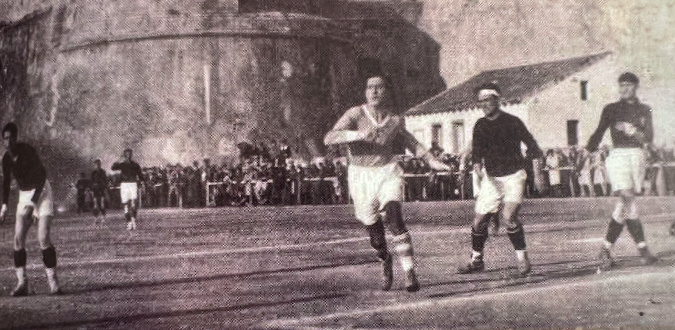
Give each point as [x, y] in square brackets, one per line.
[127, 155]
[627, 90]
[376, 91]
[489, 104]
[8, 140]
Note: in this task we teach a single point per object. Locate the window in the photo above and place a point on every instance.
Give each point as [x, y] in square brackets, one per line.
[584, 90]
[457, 137]
[437, 134]
[572, 132]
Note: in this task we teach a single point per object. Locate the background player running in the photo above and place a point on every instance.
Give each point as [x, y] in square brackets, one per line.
[35, 200]
[375, 136]
[99, 187]
[499, 166]
[130, 174]
[630, 126]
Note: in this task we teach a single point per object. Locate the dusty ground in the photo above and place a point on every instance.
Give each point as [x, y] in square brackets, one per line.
[312, 267]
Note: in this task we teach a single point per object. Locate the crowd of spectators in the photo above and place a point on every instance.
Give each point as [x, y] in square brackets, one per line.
[266, 175]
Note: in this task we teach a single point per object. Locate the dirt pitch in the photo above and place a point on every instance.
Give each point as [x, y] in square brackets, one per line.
[312, 267]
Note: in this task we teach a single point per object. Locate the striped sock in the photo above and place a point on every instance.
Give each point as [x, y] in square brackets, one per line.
[404, 249]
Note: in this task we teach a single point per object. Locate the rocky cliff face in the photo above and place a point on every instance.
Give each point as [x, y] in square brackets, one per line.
[482, 34]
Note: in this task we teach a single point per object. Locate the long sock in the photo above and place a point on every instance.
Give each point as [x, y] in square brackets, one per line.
[478, 240]
[517, 237]
[21, 274]
[127, 213]
[377, 239]
[49, 257]
[636, 231]
[614, 229]
[20, 258]
[404, 249]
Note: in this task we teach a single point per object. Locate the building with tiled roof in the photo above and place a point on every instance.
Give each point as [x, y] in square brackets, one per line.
[560, 101]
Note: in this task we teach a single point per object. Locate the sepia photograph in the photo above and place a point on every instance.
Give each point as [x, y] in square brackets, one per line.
[337, 164]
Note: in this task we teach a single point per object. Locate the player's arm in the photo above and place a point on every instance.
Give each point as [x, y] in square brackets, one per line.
[648, 131]
[6, 181]
[139, 173]
[595, 139]
[533, 152]
[477, 149]
[39, 172]
[411, 143]
[344, 131]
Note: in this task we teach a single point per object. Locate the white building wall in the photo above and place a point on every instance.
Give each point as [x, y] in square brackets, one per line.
[421, 126]
[552, 107]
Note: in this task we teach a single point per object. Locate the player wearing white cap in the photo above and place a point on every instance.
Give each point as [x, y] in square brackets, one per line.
[500, 169]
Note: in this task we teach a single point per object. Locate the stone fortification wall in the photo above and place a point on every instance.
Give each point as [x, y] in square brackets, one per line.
[183, 80]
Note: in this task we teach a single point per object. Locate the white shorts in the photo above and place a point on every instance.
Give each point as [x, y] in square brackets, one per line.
[128, 191]
[372, 188]
[493, 190]
[45, 204]
[626, 168]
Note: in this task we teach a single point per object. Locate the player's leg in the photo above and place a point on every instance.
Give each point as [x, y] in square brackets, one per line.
[21, 226]
[633, 223]
[402, 243]
[379, 243]
[389, 196]
[486, 208]
[133, 207]
[366, 211]
[513, 188]
[48, 252]
[102, 205]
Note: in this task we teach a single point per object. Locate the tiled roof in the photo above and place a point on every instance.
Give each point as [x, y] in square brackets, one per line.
[516, 84]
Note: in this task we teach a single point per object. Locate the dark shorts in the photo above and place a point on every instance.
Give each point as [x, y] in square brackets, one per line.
[99, 193]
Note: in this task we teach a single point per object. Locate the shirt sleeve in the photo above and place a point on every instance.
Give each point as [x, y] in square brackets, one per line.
[6, 178]
[595, 139]
[526, 137]
[478, 148]
[649, 125]
[346, 123]
[35, 160]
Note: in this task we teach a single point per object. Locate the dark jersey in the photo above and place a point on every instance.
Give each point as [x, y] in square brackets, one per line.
[497, 144]
[99, 180]
[27, 170]
[615, 116]
[129, 171]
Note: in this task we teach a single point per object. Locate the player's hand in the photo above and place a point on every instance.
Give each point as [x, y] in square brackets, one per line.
[539, 182]
[3, 213]
[478, 171]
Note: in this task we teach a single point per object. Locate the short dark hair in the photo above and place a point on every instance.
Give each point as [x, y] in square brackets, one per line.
[483, 86]
[387, 80]
[127, 150]
[11, 128]
[629, 77]
[97, 161]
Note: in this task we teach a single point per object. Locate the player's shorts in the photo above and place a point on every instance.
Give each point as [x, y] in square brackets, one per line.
[44, 205]
[626, 168]
[128, 191]
[493, 190]
[372, 187]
